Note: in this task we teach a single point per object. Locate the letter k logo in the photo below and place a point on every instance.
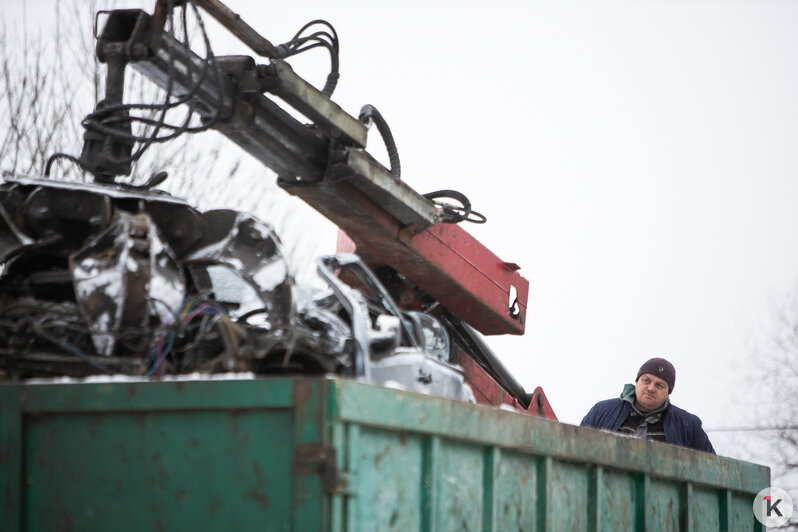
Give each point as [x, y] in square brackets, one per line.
[772, 506]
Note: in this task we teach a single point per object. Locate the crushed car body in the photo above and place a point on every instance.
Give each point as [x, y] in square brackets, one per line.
[102, 279]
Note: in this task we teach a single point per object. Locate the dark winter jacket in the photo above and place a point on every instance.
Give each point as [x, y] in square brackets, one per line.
[681, 427]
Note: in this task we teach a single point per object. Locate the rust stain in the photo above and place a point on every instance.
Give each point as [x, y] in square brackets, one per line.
[244, 437]
[123, 456]
[132, 390]
[259, 479]
[301, 393]
[236, 413]
[179, 495]
[402, 438]
[95, 421]
[156, 457]
[216, 503]
[10, 506]
[260, 498]
[193, 442]
[380, 455]
[66, 521]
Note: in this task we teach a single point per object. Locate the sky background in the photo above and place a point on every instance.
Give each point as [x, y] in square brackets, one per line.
[636, 158]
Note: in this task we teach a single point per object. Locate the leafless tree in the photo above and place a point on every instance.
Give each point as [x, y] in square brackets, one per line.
[50, 79]
[37, 101]
[774, 397]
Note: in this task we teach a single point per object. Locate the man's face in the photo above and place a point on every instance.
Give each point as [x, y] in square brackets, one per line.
[651, 392]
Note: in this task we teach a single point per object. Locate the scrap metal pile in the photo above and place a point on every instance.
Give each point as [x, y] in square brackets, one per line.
[108, 277]
[103, 279]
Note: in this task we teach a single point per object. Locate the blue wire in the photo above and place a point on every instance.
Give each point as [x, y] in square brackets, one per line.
[84, 356]
[157, 361]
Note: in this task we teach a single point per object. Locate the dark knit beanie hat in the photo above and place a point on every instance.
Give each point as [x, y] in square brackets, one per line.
[659, 367]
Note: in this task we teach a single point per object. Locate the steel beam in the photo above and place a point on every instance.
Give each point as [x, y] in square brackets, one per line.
[326, 166]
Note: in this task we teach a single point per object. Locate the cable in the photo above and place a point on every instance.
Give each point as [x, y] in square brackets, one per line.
[112, 121]
[60, 155]
[319, 38]
[369, 113]
[156, 179]
[99, 119]
[452, 214]
[172, 328]
[39, 330]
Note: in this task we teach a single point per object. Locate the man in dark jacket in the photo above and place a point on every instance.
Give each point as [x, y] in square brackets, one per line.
[644, 410]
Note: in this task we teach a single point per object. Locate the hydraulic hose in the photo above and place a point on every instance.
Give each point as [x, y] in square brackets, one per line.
[369, 113]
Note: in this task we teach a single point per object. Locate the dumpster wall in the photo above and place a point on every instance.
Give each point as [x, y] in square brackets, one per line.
[316, 454]
[156, 456]
[438, 465]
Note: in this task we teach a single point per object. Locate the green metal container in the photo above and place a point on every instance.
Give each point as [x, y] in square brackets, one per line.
[336, 455]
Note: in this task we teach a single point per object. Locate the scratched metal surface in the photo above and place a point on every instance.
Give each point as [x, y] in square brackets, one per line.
[156, 471]
[157, 456]
[336, 455]
[429, 464]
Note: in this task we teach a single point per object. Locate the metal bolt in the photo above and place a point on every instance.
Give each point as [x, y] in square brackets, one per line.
[138, 51]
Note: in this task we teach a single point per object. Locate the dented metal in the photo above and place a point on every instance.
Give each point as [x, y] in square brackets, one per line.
[236, 245]
[12, 239]
[124, 278]
[406, 350]
[100, 279]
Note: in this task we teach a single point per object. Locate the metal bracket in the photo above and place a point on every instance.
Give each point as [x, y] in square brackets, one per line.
[319, 459]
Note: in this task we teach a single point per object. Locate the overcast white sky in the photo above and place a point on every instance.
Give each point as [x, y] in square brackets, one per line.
[636, 158]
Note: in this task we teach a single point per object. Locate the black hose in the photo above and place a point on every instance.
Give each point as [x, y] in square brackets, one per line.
[155, 180]
[302, 43]
[369, 113]
[332, 82]
[452, 214]
[473, 344]
[60, 155]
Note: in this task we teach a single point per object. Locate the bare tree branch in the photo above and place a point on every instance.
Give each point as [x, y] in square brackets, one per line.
[51, 79]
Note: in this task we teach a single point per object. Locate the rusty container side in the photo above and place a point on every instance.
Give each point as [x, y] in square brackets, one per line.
[337, 455]
[424, 463]
[122, 456]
